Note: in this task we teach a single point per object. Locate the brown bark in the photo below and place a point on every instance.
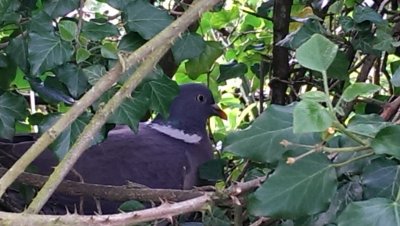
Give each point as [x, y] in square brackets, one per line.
[280, 61]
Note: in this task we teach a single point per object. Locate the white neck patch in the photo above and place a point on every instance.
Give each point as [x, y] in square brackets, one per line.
[176, 133]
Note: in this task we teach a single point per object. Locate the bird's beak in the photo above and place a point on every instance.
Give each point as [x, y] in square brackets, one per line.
[217, 111]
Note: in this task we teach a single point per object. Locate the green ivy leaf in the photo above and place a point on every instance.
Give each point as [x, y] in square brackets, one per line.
[381, 178]
[317, 53]
[295, 39]
[8, 70]
[98, 31]
[368, 125]
[73, 78]
[68, 30]
[109, 50]
[189, 46]
[82, 55]
[339, 67]
[232, 70]
[387, 141]
[297, 190]
[131, 205]
[261, 141]
[17, 50]
[203, 63]
[145, 19]
[94, 73]
[41, 23]
[362, 14]
[358, 89]
[131, 42]
[47, 51]
[65, 140]
[12, 107]
[131, 110]
[57, 8]
[309, 116]
[373, 212]
[161, 93]
[315, 96]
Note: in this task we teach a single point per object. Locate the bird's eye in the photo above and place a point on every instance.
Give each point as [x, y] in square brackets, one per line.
[200, 98]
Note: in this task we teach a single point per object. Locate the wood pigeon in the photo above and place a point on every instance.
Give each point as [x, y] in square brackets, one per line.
[165, 153]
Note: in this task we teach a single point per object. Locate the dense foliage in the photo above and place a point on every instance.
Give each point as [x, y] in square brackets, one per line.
[302, 82]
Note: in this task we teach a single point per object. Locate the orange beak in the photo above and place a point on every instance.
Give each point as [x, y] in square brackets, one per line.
[217, 111]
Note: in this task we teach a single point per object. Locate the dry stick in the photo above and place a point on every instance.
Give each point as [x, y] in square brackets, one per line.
[99, 119]
[170, 33]
[109, 192]
[165, 210]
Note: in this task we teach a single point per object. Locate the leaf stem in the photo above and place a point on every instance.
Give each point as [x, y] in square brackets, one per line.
[351, 135]
[352, 160]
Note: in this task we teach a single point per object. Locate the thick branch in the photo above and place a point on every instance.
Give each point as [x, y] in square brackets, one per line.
[108, 192]
[280, 62]
[165, 210]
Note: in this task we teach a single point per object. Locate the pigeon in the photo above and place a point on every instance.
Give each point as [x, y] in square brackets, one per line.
[165, 153]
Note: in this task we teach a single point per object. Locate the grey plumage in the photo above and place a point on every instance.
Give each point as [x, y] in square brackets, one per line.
[153, 157]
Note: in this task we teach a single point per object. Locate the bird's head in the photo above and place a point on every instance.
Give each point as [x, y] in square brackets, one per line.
[192, 107]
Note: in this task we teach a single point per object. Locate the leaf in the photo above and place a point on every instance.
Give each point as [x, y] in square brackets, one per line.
[68, 30]
[339, 67]
[368, 125]
[223, 17]
[58, 8]
[73, 78]
[98, 31]
[260, 142]
[381, 178]
[310, 116]
[131, 42]
[212, 170]
[131, 110]
[109, 50]
[362, 14]
[145, 19]
[161, 92]
[358, 89]
[232, 70]
[189, 46]
[47, 51]
[8, 70]
[317, 53]
[50, 94]
[94, 73]
[12, 107]
[387, 141]
[295, 39]
[82, 55]
[65, 140]
[203, 63]
[131, 205]
[17, 50]
[373, 212]
[297, 190]
[395, 80]
[6, 8]
[41, 23]
[315, 96]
